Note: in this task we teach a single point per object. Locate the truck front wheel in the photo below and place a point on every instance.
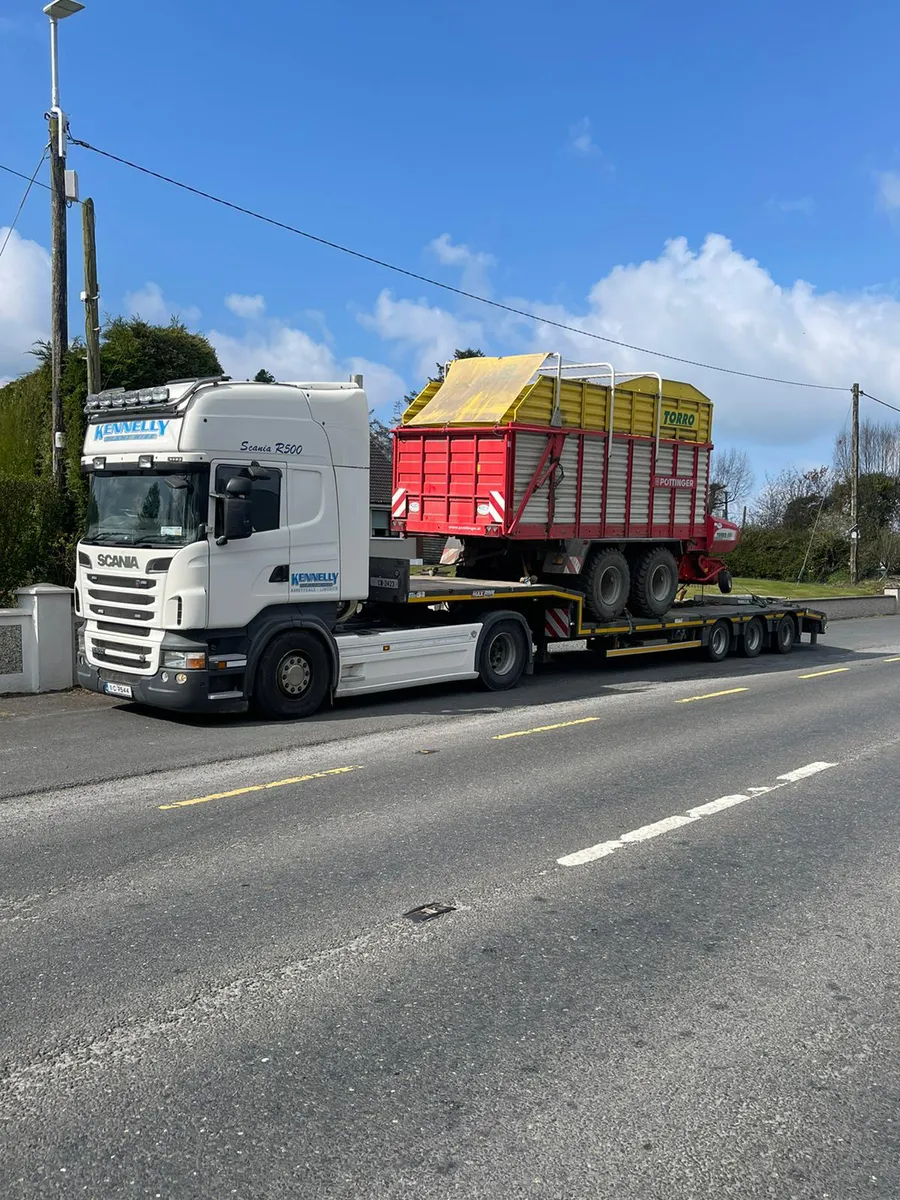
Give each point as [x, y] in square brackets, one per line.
[292, 677]
[654, 582]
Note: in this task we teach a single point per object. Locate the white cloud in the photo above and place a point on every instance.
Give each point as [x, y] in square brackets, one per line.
[24, 302]
[429, 333]
[888, 190]
[716, 306]
[475, 264]
[291, 354]
[582, 144]
[245, 306]
[151, 305]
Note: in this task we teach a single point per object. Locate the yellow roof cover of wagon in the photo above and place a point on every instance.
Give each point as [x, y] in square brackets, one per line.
[480, 391]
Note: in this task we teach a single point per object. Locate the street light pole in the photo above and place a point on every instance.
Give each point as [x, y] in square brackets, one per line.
[58, 10]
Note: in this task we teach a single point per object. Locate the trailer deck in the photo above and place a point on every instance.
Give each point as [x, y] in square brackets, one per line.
[685, 626]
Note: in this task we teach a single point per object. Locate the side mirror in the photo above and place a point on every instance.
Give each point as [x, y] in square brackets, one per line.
[236, 511]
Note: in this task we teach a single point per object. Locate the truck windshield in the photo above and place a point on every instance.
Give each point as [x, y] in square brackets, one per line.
[146, 509]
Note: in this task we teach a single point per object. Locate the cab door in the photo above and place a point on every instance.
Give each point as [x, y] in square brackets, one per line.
[249, 575]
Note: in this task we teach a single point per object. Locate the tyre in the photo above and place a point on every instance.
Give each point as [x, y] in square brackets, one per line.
[725, 582]
[293, 676]
[785, 636]
[719, 642]
[654, 583]
[754, 634]
[502, 656]
[605, 583]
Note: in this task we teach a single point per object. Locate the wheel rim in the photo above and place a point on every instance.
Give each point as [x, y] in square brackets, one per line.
[660, 583]
[610, 585]
[787, 634]
[753, 635]
[294, 674]
[719, 642]
[502, 654]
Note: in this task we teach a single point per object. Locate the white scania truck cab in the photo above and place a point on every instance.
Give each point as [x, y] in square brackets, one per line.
[221, 514]
[227, 562]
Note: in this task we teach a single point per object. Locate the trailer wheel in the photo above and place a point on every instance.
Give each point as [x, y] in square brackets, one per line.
[753, 638]
[725, 582]
[719, 641]
[654, 582]
[605, 583]
[292, 677]
[785, 636]
[502, 656]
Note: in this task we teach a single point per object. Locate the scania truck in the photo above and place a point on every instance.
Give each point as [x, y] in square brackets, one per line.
[227, 563]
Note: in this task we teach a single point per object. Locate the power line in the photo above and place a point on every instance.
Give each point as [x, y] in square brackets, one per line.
[36, 182]
[883, 403]
[22, 201]
[508, 308]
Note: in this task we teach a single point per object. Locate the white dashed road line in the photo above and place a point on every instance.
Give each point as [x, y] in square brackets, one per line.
[646, 832]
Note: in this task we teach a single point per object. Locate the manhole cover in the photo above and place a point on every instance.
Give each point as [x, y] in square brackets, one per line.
[427, 912]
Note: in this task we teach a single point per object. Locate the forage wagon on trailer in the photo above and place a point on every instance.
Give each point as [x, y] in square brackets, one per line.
[573, 473]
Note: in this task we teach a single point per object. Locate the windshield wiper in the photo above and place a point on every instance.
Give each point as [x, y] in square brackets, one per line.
[108, 539]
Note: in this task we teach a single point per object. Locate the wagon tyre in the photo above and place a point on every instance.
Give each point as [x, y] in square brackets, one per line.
[654, 583]
[502, 656]
[719, 642]
[785, 636]
[292, 678]
[754, 636]
[725, 582]
[606, 583]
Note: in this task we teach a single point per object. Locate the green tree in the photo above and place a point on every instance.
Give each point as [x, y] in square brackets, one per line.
[263, 376]
[133, 354]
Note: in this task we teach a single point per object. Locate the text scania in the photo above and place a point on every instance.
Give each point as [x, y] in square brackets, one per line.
[683, 419]
[131, 431]
[314, 580]
[125, 562]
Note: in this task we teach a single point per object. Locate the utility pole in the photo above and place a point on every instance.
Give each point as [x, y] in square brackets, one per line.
[59, 317]
[56, 11]
[854, 489]
[91, 296]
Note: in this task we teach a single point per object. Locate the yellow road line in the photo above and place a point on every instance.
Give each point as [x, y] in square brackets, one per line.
[501, 737]
[816, 674]
[896, 659]
[712, 695]
[261, 787]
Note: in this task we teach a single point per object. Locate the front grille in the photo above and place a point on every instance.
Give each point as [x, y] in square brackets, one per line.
[119, 654]
[131, 630]
[123, 581]
[121, 598]
[117, 598]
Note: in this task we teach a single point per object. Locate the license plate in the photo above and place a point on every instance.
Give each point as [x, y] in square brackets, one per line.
[118, 689]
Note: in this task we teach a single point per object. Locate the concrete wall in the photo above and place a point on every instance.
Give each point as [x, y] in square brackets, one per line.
[844, 607]
[36, 647]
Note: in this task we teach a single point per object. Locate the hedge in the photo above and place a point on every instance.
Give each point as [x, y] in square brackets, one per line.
[779, 554]
[34, 547]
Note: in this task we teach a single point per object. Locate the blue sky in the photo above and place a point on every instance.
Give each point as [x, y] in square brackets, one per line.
[530, 150]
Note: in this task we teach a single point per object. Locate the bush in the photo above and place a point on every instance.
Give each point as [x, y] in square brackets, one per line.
[34, 544]
[780, 553]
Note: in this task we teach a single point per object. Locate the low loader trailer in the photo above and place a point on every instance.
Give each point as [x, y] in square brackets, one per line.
[227, 564]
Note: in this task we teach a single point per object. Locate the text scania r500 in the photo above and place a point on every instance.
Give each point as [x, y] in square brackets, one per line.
[227, 561]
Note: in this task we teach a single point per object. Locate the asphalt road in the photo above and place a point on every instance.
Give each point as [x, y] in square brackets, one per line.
[670, 970]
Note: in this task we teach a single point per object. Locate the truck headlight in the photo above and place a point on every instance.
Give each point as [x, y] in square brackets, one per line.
[186, 660]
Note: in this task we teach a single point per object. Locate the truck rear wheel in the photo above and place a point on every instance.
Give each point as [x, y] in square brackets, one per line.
[753, 637]
[654, 583]
[502, 656]
[719, 642]
[605, 583]
[292, 677]
[785, 635]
